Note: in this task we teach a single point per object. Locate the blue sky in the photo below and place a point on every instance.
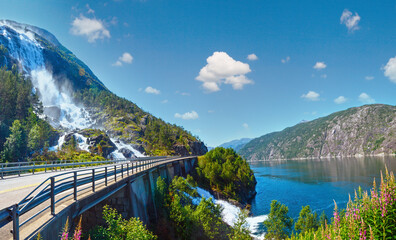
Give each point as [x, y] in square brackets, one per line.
[187, 61]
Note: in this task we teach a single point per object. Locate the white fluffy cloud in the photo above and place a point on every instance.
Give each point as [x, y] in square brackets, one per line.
[340, 100]
[245, 125]
[319, 65]
[187, 116]
[369, 78]
[152, 90]
[91, 28]
[365, 98]
[252, 57]
[311, 96]
[390, 69]
[351, 21]
[222, 68]
[287, 59]
[125, 58]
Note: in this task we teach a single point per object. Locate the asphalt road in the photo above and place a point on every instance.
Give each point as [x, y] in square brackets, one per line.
[13, 188]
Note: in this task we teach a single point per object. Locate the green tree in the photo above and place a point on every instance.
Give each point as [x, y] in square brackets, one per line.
[120, 229]
[323, 219]
[307, 220]
[34, 138]
[278, 224]
[208, 216]
[15, 145]
[181, 217]
[240, 230]
[161, 192]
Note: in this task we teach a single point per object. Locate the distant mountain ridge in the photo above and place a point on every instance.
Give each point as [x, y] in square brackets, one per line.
[358, 131]
[236, 144]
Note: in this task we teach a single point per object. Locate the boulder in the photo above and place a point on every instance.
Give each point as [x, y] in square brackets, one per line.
[127, 153]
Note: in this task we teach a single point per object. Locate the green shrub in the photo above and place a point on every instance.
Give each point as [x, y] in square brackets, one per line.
[118, 228]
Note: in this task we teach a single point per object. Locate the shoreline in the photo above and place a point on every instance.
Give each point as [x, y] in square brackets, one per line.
[324, 157]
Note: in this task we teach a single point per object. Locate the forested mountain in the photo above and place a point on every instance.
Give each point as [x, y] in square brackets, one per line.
[49, 91]
[358, 131]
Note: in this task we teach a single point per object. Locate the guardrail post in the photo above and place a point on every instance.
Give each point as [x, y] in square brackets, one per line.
[2, 172]
[53, 196]
[93, 180]
[19, 170]
[122, 170]
[105, 176]
[34, 164]
[75, 186]
[115, 173]
[15, 222]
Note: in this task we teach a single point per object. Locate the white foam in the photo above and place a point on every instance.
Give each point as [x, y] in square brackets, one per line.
[120, 145]
[58, 146]
[230, 214]
[82, 142]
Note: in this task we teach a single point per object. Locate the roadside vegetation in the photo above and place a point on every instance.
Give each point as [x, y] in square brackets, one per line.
[185, 215]
[371, 215]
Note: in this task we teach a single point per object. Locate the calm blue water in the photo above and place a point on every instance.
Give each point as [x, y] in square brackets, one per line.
[314, 182]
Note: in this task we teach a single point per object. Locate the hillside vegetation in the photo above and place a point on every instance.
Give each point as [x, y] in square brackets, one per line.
[22, 132]
[359, 131]
[228, 174]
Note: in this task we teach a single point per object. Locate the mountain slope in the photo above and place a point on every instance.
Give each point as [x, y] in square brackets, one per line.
[73, 98]
[236, 144]
[365, 130]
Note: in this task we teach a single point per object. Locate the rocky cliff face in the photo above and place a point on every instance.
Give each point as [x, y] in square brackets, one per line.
[360, 131]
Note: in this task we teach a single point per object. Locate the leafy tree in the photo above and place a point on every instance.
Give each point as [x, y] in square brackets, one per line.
[240, 229]
[208, 216]
[15, 145]
[34, 137]
[307, 220]
[278, 224]
[323, 219]
[161, 192]
[181, 217]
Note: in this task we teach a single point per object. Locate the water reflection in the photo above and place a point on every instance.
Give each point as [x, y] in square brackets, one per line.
[314, 171]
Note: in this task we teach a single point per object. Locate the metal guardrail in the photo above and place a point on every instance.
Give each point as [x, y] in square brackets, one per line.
[14, 168]
[57, 188]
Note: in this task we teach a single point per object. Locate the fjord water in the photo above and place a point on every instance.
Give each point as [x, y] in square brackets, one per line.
[315, 182]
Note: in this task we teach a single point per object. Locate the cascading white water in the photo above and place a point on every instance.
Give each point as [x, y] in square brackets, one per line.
[59, 107]
[57, 101]
[117, 154]
[230, 214]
